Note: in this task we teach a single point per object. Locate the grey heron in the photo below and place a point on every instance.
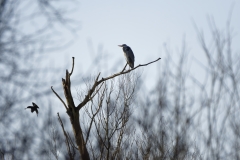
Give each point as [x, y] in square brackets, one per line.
[128, 53]
[33, 108]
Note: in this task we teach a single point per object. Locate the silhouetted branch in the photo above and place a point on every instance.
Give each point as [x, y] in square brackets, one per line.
[59, 97]
[96, 83]
[68, 139]
[90, 92]
[72, 66]
[120, 73]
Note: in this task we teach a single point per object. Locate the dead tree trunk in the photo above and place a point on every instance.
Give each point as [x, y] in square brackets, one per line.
[73, 113]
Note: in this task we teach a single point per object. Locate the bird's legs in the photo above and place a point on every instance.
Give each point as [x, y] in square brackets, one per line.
[124, 67]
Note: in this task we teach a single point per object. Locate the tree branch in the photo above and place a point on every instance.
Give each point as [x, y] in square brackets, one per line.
[68, 139]
[59, 98]
[72, 66]
[96, 83]
[120, 73]
[90, 92]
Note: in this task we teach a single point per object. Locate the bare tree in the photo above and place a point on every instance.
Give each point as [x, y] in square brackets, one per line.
[164, 119]
[27, 29]
[189, 118]
[112, 130]
[219, 93]
[73, 111]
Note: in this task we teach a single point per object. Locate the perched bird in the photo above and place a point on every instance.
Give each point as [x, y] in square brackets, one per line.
[33, 108]
[128, 53]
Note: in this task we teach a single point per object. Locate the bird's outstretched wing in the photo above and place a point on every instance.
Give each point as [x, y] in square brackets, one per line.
[34, 105]
[29, 107]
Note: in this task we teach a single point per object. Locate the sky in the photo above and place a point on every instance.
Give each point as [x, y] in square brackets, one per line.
[146, 26]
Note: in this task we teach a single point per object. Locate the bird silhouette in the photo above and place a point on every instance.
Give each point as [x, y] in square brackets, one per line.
[33, 108]
[128, 53]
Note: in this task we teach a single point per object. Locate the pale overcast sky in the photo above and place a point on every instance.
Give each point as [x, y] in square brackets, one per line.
[146, 26]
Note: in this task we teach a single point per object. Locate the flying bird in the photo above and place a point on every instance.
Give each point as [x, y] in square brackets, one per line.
[33, 108]
[128, 53]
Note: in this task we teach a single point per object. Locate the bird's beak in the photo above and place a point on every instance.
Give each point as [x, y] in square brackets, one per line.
[120, 45]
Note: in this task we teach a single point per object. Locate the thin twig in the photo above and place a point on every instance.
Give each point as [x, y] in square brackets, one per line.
[71, 142]
[96, 91]
[72, 66]
[90, 92]
[59, 98]
[89, 129]
[93, 117]
[66, 136]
